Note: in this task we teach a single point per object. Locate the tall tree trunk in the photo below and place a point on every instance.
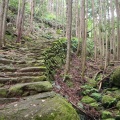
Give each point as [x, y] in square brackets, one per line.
[83, 36]
[77, 17]
[32, 15]
[1, 20]
[113, 32]
[100, 32]
[94, 31]
[69, 28]
[18, 15]
[20, 21]
[4, 21]
[79, 34]
[118, 27]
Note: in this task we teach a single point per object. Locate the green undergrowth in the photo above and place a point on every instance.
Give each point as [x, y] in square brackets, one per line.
[107, 100]
[55, 57]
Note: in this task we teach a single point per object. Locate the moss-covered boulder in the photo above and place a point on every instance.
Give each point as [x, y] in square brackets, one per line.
[96, 96]
[115, 77]
[88, 100]
[92, 83]
[108, 101]
[45, 106]
[95, 105]
[106, 114]
[25, 89]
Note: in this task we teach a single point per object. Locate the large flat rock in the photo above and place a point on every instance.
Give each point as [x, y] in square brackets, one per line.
[45, 106]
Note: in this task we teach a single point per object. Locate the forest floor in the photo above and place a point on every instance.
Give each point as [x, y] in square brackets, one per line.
[72, 87]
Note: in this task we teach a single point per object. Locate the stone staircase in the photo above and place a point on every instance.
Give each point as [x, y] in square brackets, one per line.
[22, 71]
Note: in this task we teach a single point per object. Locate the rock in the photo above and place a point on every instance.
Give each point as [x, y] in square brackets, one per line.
[116, 94]
[92, 83]
[96, 96]
[95, 105]
[115, 77]
[33, 69]
[25, 89]
[88, 100]
[53, 107]
[3, 92]
[108, 101]
[8, 100]
[118, 105]
[106, 114]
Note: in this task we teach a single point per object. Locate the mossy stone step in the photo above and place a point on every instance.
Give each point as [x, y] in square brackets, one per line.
[25, 89]
[53, 107]
[33, 69]
[3, 92]
[7, 69]
[6, 61]
[22, 79]
[19, 74]
[7, 100]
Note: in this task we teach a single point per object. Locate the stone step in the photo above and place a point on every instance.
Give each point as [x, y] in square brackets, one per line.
[3, 92]
[8, 100]
[26, 89]
[22, 79]
[7, 69]
[33, 69]
[19, 74]
[6, 61]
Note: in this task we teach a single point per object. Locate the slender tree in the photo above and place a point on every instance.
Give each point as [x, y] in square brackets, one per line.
[20, 24]
[4, 21]
[1, 20]
[68, 28]
[83, 36]
[118, 27]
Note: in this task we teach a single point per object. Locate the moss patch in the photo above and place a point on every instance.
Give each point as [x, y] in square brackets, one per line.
[118, 105]
[115, 77]
[106, 114]
[88, 100]
[3, 92]
[108, 101]
[36, 87]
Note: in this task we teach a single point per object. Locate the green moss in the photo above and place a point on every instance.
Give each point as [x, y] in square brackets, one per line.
[108, 101]
[2, 118]
[3, 92]
[106, 114]
[20, 89]
[118, 105]
[92, 83]
[88, 100]
[63, 111]
[115, 77]
[42, 78]
[27, 38]
[110, 119]
[1, 85]
[94, 105]
[96, 96]
[69, 83]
